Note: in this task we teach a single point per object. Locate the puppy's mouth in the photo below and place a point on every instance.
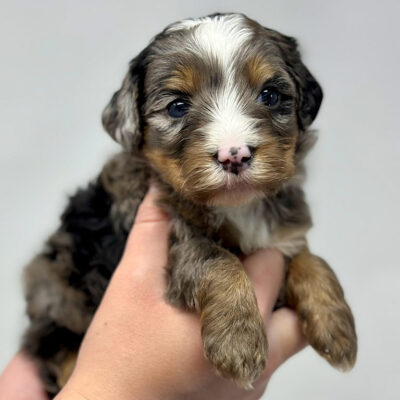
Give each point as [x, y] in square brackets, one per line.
[235, 180]
[207, 182]
[236, 187]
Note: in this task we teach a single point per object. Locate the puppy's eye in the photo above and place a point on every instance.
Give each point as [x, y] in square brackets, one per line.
[178, 108]
[270, 97]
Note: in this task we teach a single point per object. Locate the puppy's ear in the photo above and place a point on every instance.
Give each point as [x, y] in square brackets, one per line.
[308, 90]
[122, 116]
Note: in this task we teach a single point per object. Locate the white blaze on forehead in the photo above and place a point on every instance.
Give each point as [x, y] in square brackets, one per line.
[221, 36]
[229, 126]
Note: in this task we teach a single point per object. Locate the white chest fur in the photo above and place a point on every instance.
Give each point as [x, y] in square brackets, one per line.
[255, 233]
[251, 223]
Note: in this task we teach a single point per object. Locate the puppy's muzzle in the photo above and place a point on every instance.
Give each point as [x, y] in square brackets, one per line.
[235, 159]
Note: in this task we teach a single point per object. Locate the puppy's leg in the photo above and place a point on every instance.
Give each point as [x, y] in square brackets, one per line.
[315, 293]
[58, 312]
[53, 348]
[211, 280]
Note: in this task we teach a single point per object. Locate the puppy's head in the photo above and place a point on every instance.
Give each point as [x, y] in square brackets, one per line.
[220, 107]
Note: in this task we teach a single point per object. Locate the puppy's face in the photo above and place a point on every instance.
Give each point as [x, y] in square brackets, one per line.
[219, 106]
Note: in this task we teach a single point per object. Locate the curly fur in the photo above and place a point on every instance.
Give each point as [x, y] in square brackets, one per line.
[212, 222]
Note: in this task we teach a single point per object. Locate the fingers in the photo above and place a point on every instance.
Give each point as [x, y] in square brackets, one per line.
[148, 241]
[266, 270]
[21, 381]
[285, 337]
[148, 210]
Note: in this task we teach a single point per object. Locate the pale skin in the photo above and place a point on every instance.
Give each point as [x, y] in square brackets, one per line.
[140, 347]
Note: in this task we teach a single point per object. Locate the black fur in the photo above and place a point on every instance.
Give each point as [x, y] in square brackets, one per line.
[310, 93]
[96, 249]
[65, 284]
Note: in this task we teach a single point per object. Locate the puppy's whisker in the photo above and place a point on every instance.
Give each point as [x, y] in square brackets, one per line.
[217, 109]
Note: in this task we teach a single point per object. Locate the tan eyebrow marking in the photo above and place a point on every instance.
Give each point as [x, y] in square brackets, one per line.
[184, 79]
[259, 71]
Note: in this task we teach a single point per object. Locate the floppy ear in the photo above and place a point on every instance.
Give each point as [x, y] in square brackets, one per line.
[122, 116]
[308, 90]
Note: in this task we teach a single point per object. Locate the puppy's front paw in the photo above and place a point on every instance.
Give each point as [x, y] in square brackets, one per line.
[236, 347]
[330, 330]
[313, 290]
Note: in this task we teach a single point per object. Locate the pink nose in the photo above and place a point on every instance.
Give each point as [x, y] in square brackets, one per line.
[235, 159]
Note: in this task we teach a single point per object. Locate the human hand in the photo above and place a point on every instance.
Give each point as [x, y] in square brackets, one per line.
[140, 347]
[21, 381]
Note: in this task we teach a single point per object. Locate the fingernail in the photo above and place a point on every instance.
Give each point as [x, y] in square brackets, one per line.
[152, 188]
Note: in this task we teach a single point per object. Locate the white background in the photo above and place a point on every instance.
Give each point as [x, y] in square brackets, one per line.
[62, 60]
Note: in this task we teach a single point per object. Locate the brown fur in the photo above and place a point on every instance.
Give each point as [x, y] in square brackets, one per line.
[275, 160]
[185, 79]
[66, 368]
[212, 219]
[314, 292]
[231, 320]
[169, 168]
[211, 280]
[259, 71]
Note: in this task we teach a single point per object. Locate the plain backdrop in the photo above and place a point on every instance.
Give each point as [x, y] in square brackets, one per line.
[62, 60]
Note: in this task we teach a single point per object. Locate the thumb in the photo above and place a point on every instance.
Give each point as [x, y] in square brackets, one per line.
[148, 239]
[149, 211]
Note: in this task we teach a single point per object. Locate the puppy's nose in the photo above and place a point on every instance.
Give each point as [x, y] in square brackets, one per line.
[235, 159]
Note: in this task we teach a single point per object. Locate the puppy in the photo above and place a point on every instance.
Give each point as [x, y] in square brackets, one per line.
[216, 110]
